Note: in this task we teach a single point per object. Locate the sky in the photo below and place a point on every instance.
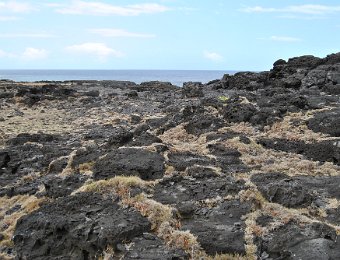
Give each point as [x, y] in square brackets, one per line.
[164, 34]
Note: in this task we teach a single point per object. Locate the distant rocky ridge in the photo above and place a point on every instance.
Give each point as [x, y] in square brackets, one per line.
[243, 167]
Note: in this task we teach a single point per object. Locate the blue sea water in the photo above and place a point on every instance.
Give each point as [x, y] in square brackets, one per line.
[176, 77]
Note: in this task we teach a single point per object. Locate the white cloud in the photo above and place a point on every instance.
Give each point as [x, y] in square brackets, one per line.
[8, 18]
[99, 8]
[26, 35]
[99, 50]
[34, 54]
[309, 9]
[120, 33]
[28, 54]
[284, 39]
[15, 7]
[213, 56]
[2, 54]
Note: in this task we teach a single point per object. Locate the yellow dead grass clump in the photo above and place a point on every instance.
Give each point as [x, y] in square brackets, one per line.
[160, 216]
[268, 160]
[120, 185]
[181, 141]
[8, 221]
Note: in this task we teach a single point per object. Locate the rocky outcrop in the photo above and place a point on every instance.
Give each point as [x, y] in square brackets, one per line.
[130, 161]
[78, 227]
[246, 166]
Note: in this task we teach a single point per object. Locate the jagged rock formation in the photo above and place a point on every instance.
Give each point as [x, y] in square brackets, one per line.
[245, 167]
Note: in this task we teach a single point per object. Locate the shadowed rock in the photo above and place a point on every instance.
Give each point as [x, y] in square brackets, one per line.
[129, 161]
[150, 247]
[219, 229]
[327, 122]
[295, 241]
[76, 227]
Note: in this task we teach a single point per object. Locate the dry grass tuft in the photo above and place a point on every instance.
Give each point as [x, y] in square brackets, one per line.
[4, 256]
[156, 212]
[8, 221]
[120, 185]
[181, 141]
[241, 128]
[86, 168]
[294, 127]
[268, 160]
[161, 217]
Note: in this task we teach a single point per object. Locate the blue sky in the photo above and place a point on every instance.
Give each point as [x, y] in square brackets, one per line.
[164, 34]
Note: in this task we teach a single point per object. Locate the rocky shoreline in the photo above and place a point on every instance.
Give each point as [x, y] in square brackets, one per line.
[245, 167]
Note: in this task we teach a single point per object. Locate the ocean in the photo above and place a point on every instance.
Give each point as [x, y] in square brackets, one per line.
[176, 77]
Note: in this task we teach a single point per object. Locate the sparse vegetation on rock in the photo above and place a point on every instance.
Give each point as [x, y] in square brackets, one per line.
[246, 167]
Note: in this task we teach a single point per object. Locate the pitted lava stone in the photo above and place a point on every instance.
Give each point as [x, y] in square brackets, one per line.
[183, 160]
[325, 151]
[227, 159]
[29, 154]
[327, 122]
[150, 247]
[333, 216]
[76, 227]
[219, 229]
[301, 241]
[63, 186]
[280, 188]
[20, 139]
[130, 161]
[192, 89]
[200, 124]
[180, 189]
[144, 139]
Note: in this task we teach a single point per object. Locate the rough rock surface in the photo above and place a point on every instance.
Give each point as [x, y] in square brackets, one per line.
[150, 247]
[219, 229]
[79, 227]
[245, 165]
[130, 161]
[326, 122]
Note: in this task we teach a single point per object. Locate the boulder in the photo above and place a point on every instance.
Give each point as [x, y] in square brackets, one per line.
[129, 161]
[76, 227]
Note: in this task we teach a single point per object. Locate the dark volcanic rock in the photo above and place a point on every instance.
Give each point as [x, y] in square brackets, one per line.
[29, 187]
[155, 86]
[176, 190]
[245, 81]
[282, 189]
[183, 160]
[63, 186]
[324, 151]
[325, 186]
[20, 139]
[113, 136]
[31, 95]
[308, 241]
[200, 124]
[4, 159]
[76, 227]
[129, 161]
[150, 247]
[192, 89]
[333, 216]
[29, 154]
[235, 111]
[144, 139]
[120, 136]
[219, 229]
[228, 159]
[327, 122]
